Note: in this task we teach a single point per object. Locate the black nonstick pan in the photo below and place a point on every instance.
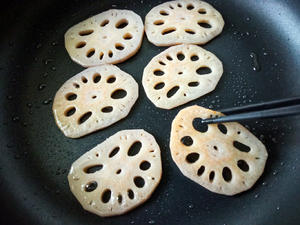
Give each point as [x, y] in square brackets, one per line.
[36, 156]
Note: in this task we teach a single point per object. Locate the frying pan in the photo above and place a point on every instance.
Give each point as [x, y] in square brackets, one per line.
[35, 155]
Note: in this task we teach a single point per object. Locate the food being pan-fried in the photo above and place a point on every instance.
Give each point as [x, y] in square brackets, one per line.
[117, 175]
[181, 74]
[109, 37]
[223, 158]
[183, 22]
[94, 99]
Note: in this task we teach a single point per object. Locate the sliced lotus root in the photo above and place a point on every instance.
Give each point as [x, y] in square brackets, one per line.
[117, 175]
[94, 99]
[109, 37]
[224, 158]
[184, 21]
[180, 74]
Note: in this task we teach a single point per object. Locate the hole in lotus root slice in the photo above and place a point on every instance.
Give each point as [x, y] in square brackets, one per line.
[204, 24]
[192, 157]
[241, 147]
[226, 174]
[71, 96]
[169, 58]
[134, 148]
[70, 111]
[194, 58]
[90, 52]
[190, 31]
[187, 140]
[106, 196]
[139, 181]
[127, 36]
[172, 91]
[84, 79]
[110, 54]
[114, 152]
[168, 30]
[161, 63]
[104, 23]
[222, 128]
[96, 77]
[118, 171]
[120, 198]
[158, 72]
[193, 84]
[211, 176]
[118, 94]
[202, 11]
[101, 55]
[203, 70]
[145, 165]
[86, 32]
[122, 23]
[107, 109]
[76, 85]
[130, 194]
[200, 171]
[163, 13]
[243, 165]
[91, 186]
[93, 169]
[180, 56]
[179, 5]
[158, 22]
[111, 79]
[159, 86]
[190, 6]
[84, 117]
[199, 126]
[119, 46]
[81, 44]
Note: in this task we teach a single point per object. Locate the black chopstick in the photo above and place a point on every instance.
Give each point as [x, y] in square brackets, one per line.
[272, 109]
[263, 105]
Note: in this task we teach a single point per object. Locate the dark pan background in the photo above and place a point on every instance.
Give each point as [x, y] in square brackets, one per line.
[35, 155]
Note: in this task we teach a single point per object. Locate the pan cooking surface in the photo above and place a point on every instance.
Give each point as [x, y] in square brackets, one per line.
[35, 155]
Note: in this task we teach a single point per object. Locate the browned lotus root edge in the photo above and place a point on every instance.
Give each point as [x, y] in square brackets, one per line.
[180, 74]
[94, 99]
[184, 21]
[110, 37]
[117, 175]
[224, 158]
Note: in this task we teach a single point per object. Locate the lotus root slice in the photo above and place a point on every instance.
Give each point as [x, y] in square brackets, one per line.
[181, 74]
[223, 158]
[107, 38]
[117, 175]
[183, 22]
[94, 99]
